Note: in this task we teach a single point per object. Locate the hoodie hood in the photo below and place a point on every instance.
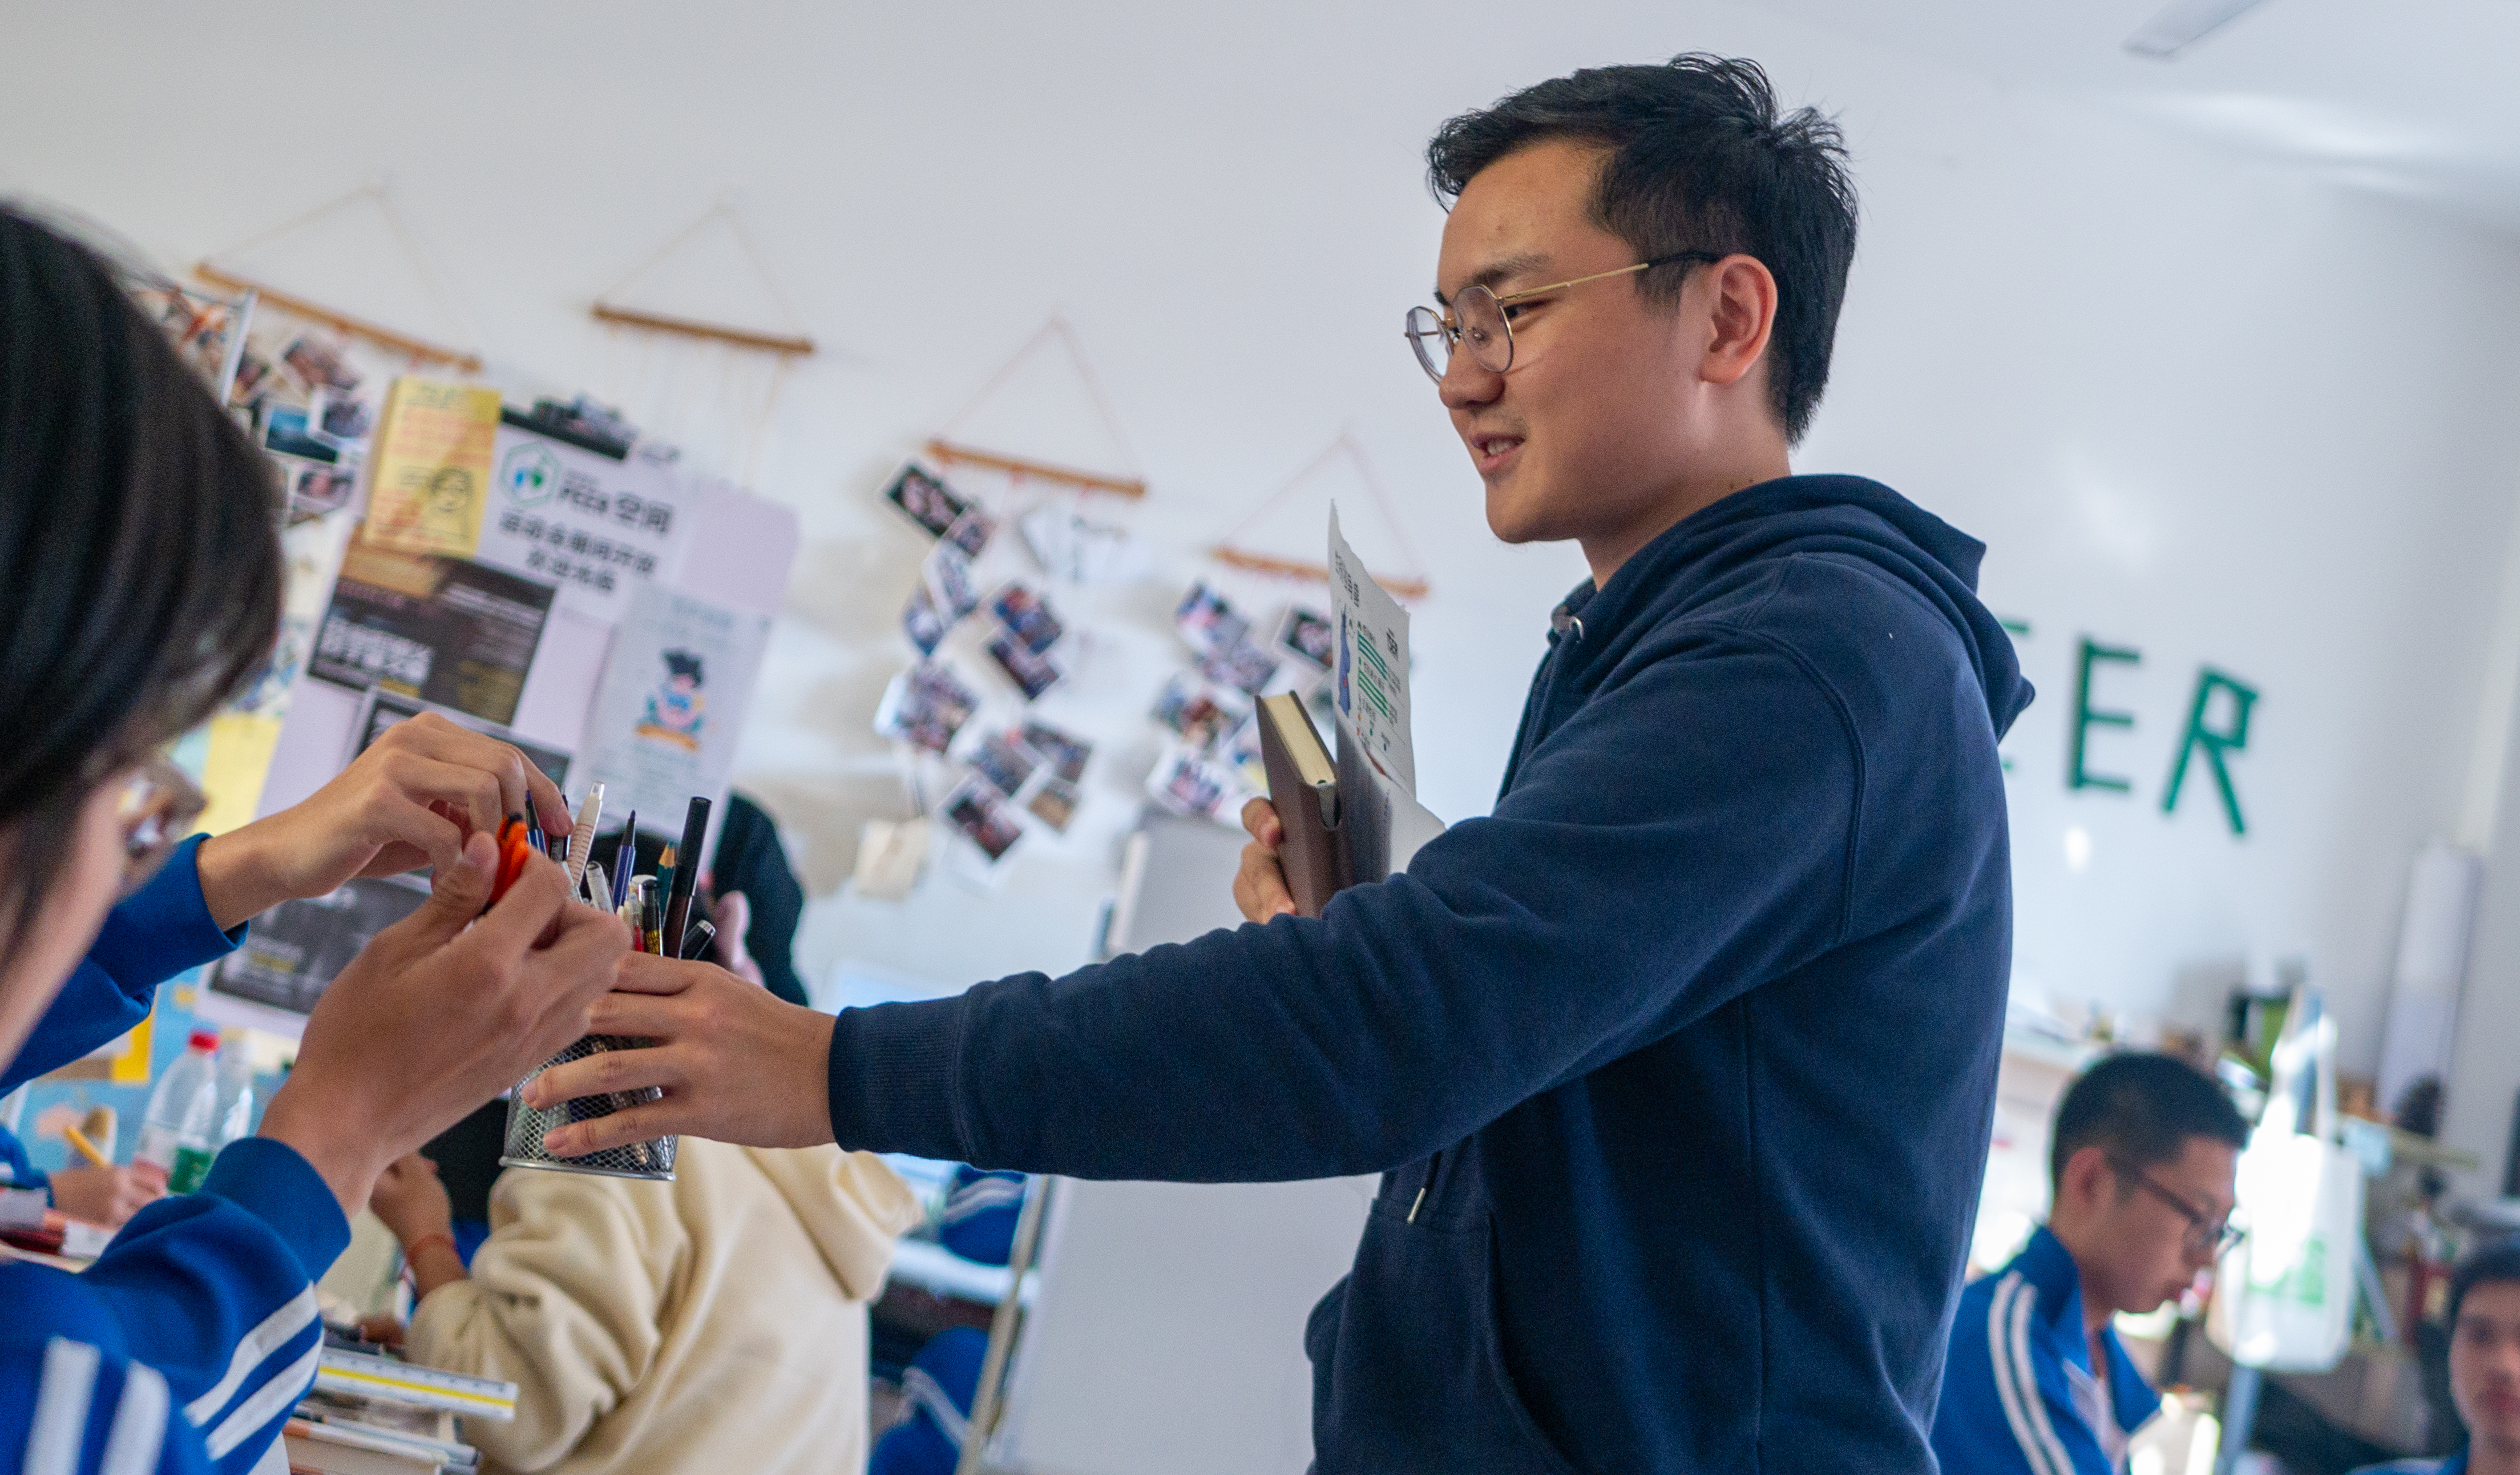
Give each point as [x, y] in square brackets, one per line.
[852, 1205]
[1704, 555]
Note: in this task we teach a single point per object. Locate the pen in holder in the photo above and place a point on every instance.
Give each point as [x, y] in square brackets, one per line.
[652, 1159]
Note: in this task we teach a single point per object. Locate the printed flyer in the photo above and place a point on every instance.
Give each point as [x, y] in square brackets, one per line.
[670, 705]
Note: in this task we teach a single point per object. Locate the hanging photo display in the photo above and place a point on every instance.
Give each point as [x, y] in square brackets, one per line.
[1246, 667]
[1055, 804]
[208, 331]
[1005, 760]
[921, 621]
[970, 533]
[946, 575]
[924, 497]
[1187, 782]
[1208, 623]
[1066, 753]
[927, 706]
[1309, 636]
[979, 815]
[1070, 548]
[449, 632]
[1027, 616]
[1031, 672]
[1200, 714]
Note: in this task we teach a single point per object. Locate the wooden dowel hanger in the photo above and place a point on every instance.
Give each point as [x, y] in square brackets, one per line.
[418, 351]
[1287, 567]
[1023, 469]
[744, 337]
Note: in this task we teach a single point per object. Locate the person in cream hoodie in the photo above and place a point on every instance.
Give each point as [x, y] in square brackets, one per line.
[715, 1322]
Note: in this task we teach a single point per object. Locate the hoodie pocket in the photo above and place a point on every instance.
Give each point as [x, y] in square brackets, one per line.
[1408, 1367]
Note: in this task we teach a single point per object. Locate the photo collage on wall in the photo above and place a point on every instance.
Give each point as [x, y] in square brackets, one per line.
[1209, 764]
[1011, 778]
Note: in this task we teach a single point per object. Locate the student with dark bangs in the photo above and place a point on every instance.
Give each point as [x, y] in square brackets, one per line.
[140, 586]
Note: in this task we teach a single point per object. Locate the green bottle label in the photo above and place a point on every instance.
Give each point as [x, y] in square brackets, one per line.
[192, 1165]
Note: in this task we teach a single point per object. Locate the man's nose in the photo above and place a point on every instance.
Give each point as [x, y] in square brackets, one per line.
[1468, 383]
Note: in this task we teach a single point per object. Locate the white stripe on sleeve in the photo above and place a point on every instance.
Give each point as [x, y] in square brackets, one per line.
[59, 1427]
[269, 1402]
[1999, 1321]
[2027, 1372]
[139, 1423]
[261, 1342]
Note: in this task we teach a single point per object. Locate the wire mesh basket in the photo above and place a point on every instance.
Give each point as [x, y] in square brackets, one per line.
[652, 1159]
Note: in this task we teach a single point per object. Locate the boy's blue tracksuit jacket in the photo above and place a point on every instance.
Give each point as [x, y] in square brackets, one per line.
[186, 1346]
[1679, 1065]
[2019, 1395]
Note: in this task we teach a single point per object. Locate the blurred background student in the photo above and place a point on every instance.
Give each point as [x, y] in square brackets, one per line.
[2143, 1170]
[102, 1194]
[2484, 1367]
[715, 1322]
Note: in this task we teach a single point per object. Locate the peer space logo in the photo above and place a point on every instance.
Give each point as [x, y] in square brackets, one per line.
[530, 474]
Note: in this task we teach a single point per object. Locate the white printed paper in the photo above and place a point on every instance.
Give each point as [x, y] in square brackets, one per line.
[598, 527]
[670, 705]
[1369, 680]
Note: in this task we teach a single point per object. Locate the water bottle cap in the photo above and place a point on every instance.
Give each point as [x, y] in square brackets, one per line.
[204, 1039]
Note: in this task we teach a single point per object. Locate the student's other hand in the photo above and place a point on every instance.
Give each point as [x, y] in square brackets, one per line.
[108, 1196]
[413, 798]
[439, 1014]
[1260, 884]
[733, 917]
[737, 1063]
[411, 1201]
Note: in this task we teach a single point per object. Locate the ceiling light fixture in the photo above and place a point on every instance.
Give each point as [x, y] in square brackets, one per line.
[2184, 23]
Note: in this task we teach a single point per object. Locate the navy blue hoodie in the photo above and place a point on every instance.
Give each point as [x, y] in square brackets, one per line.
[1679, 1065]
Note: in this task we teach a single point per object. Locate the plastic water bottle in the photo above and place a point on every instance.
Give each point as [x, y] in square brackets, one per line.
[179, 1134]
[235, 1114]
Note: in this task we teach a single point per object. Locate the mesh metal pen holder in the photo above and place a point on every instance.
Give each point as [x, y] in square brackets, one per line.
[652, 1159]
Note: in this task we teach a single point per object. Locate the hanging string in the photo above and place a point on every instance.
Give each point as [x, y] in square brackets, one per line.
[1346, 444]
[1056, 327]
[417, 260]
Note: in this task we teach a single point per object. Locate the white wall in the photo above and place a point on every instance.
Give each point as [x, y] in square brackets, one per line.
[2195, 404]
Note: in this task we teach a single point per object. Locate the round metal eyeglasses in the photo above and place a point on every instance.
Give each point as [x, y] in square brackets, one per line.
[1479, 319]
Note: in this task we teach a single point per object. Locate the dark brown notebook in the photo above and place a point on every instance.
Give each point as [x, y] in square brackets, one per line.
[1303, 788]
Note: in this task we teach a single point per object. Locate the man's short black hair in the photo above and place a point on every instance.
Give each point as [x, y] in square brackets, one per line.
[1698, 161]
[2486, 1265]
[2142, 1107]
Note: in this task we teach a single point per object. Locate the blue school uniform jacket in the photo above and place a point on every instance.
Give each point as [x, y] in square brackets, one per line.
[2020, 1374]
[1681, 1063]
[186, 1345]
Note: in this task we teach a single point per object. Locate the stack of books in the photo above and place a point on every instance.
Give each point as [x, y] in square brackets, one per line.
[371, 1414]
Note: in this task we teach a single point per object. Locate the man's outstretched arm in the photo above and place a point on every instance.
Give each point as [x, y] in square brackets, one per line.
[1657, 856]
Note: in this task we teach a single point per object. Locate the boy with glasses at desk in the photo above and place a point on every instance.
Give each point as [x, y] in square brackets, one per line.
[2143, 1170]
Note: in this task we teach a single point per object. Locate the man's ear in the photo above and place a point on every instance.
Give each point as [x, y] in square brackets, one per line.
[2087, 1181]
[1740, 319]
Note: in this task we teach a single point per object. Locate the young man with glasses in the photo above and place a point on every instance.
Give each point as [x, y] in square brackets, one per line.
[2141, 1170]
[1679, 1065]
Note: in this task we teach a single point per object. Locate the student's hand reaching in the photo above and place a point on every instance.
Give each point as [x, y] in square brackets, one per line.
[1260, 884]
[108, 1195]
[413, 798]
[736, 1064]
[411, 1201]
[439, 1015]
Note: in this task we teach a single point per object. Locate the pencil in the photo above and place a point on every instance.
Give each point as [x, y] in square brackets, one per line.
[86, 1148]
